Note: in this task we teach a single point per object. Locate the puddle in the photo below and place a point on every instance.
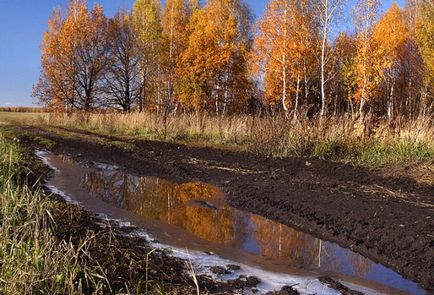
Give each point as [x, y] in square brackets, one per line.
[195, 216]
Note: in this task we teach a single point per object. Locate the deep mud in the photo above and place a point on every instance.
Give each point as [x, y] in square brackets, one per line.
[388, 219]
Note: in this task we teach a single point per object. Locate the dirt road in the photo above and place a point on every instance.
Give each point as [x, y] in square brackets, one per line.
[388, 219]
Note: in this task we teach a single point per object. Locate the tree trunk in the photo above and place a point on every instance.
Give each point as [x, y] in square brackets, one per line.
[143, 94]
[362, 107]
[285, 33]
[390, 107]
[297, 97]
[323, 53]
[285, 107]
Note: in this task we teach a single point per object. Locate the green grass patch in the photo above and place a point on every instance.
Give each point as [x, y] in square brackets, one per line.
[44, 142]
[331, 149]
[395, 152]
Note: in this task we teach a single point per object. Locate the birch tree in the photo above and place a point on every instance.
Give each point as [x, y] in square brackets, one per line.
[365, 16]
[148, 33]
[175, 21]
[282, 49]
[390, 36]
[215, 74]
[328, 12]
[425, 41]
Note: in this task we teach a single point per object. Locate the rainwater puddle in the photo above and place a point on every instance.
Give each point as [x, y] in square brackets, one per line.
[193, 219]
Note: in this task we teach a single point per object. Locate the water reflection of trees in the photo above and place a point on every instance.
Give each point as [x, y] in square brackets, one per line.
[162, 200]
[361, 266]
[158, 199]
[284, 243]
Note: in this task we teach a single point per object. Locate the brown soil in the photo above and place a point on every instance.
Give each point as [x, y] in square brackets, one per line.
[387, 218]
[126, 260]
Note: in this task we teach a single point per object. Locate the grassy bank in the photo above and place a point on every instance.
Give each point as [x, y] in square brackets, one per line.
[370, 143]
[50, 247]
[32, 260]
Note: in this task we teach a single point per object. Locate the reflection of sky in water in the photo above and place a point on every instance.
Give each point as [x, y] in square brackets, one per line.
[374, 272]
[386, 276]
[153, 198]
[250, 243]
[251, 246]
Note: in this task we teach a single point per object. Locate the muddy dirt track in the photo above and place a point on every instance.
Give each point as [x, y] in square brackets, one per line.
[388, 219]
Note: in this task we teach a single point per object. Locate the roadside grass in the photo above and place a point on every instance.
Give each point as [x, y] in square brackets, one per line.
[50, 247]
[32, 260]
[371, 143]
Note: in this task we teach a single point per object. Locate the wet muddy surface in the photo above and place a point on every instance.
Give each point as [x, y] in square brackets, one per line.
[197, 217]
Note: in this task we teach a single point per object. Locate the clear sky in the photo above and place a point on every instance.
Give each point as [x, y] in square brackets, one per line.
[22, 23]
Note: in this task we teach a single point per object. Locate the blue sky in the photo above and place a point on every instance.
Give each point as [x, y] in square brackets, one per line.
[22, 23]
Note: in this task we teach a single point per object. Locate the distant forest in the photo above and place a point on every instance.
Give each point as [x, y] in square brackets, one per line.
[214, 58]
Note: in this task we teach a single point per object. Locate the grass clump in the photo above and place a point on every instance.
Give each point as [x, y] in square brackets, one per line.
[331, 149]
[44, 142]
[395, 152]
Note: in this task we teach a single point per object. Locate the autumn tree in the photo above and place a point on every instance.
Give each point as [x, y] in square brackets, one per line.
[412, 67]
[186, 56]
[74, 57]
[424, 33]
[283, 49]
[175, 21]
[148, 32]
[84, 35]
[214, 71]
[327, 12]
[343, 85]
[366, 63]
[192, 6]
[55, 84]
[122, 78]
[389, 37]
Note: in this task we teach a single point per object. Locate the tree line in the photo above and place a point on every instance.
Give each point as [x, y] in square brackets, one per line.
[214, 57]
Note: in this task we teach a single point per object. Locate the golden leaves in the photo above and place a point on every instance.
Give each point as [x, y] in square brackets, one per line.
[424, 37]
[284, 45]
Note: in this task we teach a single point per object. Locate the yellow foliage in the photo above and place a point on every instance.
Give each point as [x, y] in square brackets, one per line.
[389, 37]
[215, 62]
[425, 39]
[284, 44]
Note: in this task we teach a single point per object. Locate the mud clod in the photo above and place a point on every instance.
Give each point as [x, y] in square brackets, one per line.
[218, 270]
[233, 267]
[334, 284]
[286, 290]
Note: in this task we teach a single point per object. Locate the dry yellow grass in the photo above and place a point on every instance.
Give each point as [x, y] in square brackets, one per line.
[337, 138]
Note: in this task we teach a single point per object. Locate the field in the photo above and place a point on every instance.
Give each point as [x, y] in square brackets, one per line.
[377, 201]
[20, 118]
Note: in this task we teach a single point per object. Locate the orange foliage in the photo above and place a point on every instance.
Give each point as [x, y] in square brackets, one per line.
[185, 57]
[284, 45]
